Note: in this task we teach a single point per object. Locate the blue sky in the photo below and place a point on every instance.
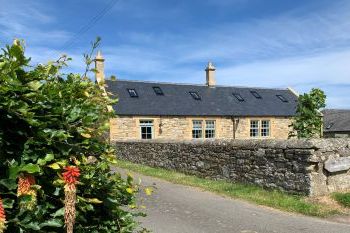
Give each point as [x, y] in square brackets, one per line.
[263, 43]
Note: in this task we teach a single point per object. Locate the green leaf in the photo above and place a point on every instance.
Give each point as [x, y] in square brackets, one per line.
[93, 200]
[30, 168]
[54, 166]
[34, 85]
[8, 203]
[33, 225]
[48, 158]
[58, 213]
[10, 184]
[52, 223]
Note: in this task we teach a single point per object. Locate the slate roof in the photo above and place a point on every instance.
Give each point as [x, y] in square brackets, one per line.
[215, 101]
[336, 120]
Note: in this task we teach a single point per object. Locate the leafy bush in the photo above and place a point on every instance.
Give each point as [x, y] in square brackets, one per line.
[342, 198]
[308, 120]
[49, 121]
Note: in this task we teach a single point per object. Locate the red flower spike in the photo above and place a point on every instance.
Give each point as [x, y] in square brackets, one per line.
[2, 218]
[24, 184]
[70, 177]
[25, 181]
[71, 174]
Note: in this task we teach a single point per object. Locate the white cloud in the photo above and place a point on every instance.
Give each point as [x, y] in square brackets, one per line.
[297, 49]
[29, 20]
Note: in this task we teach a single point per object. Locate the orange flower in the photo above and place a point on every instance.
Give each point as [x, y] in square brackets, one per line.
[2, 218]
[70, 177]
[71, 174]
[25, 182]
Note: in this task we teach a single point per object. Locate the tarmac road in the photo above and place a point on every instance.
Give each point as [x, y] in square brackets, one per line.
[176, 208]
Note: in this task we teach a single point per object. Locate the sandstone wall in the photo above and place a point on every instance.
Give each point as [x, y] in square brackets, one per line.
[180, 128]
[311, 167]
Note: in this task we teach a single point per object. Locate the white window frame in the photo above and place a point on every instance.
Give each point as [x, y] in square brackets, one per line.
[254, 129]
[197, 129]
[147, 125]
[265, 130]
[210, 128]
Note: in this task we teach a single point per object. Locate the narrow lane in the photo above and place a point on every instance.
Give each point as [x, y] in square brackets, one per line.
[181, 209]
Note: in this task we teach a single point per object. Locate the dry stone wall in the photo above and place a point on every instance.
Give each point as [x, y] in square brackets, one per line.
[311, 167]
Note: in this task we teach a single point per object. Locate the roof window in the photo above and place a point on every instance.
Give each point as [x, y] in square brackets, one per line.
[256, 94]
[133, 93]
[195, 95]
[238, 97]
[282, 98]
[330, 125]
[158, 91]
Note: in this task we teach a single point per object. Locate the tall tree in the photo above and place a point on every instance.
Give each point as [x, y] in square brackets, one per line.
[308, 121]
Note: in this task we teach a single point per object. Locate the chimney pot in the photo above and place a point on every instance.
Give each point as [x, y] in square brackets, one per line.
[210, 75]
[100, 67]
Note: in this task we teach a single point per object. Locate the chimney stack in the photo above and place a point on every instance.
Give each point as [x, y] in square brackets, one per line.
[100, 68]
[210, 75]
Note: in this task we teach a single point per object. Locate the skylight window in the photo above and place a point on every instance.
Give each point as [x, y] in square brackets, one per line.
[238, 97]
[256, 94]
[330, 125]
[133, 93]
[158, 91]
[195, 95]
[282, 98]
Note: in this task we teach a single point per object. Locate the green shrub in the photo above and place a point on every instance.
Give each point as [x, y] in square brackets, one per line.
[342, 198]
[49, 120]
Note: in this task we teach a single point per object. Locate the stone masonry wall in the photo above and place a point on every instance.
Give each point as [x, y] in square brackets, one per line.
[311, 167]
[180, 128]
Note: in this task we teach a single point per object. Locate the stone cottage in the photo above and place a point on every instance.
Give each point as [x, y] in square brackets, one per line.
[154, 110]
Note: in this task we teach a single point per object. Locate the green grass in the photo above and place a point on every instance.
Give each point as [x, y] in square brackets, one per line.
[253, 194]
[342, 198]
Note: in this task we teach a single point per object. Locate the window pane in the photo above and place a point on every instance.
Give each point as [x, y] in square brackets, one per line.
[197, 124]
[149, 130]
[210, 129]
[195, 95]
[146, 127]
[265, 128]
[238, 97]
[196, 133]
[197, 129]
[282, 98]
[158, 91]
[132, 92]
[256, 94]
[210, 133]
[210, 124]
[254, 128]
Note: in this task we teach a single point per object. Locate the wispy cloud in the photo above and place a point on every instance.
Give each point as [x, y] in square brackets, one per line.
[291, 49]
[303, 47]
[29, 20]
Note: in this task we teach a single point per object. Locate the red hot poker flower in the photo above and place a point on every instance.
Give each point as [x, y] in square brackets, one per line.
[2, 217]
[24, 184]
[70, 177]
[71, 174]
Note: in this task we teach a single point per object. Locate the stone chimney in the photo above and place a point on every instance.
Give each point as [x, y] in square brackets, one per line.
[100, 68]
[210, 75]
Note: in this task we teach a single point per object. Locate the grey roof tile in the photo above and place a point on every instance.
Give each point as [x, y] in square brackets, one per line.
[336, 120]
[215, 101]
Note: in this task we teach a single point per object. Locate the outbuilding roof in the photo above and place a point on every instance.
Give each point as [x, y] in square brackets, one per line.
[160, 99]
[336, 120]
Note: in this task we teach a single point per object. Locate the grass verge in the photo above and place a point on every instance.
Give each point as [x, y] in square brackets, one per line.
[272, 198]
[342, 198]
